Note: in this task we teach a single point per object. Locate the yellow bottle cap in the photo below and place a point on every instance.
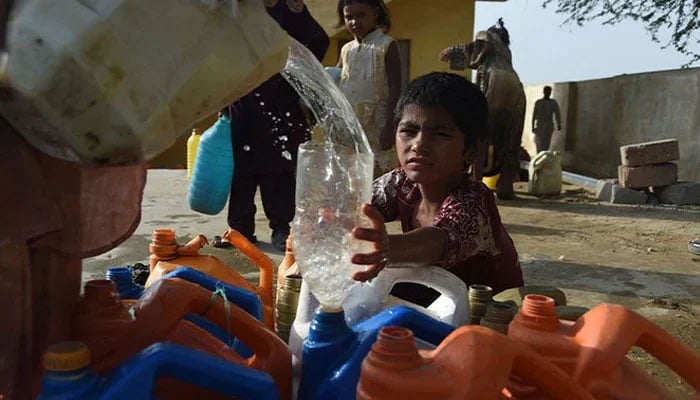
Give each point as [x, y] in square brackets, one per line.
[66, 356]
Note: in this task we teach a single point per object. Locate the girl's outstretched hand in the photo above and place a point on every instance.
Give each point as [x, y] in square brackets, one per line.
[377, 234]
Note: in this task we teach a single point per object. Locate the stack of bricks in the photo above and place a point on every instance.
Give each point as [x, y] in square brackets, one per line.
[648, 175]
[647, 165]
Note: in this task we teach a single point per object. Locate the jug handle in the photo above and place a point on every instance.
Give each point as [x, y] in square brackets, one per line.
[524, 363]
[141, 371]
[258, 258]
[644, 334]
[270, 352]
[192, 247]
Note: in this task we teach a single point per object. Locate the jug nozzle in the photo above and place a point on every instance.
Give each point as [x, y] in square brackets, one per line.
[395, 349]
[538, 312]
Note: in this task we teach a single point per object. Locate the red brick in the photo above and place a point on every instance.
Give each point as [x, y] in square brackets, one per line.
[656, 152]
[648, 175]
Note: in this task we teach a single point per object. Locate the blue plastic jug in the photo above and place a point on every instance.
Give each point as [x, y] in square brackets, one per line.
[213, 169]
[69, 377]
[127, 289]
[333, 352]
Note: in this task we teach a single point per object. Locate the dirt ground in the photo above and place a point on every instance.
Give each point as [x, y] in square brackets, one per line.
[632, 255]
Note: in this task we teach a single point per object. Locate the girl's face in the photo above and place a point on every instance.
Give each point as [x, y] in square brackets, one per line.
[360, 19]
[430, 147]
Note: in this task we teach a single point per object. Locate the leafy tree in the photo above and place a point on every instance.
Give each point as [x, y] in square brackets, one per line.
[677, 18]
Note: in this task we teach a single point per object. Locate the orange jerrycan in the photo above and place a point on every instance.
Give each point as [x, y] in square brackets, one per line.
[113, 336]
[473, 363]
[167, 255]
[593, 350]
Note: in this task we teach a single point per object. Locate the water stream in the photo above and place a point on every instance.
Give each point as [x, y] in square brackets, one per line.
[334, 177]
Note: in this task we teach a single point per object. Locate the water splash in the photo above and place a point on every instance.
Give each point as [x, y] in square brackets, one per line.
[334, 178]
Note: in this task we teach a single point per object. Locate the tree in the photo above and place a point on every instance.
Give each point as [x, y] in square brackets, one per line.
[661, 18]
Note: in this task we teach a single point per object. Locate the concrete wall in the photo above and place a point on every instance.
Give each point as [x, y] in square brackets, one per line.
[601, 115]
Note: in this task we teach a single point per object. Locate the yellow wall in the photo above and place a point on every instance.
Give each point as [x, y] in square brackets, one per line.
[428, 28]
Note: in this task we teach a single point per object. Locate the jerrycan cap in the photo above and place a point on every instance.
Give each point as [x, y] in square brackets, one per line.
[66, 356]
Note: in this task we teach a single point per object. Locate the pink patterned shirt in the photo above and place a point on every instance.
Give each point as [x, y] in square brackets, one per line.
[479, 250]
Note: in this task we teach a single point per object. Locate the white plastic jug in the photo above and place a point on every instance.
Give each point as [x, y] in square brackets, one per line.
[545, 174]
[369, 299]
[117, 81]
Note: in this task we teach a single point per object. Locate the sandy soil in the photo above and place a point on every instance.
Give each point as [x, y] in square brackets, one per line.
[632, 255]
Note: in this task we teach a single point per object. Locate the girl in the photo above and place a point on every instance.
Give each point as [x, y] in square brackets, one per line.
[447, 218]
[371, 74]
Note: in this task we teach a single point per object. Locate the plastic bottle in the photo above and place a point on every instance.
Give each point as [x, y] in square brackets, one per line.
[210, 185]
[471, 363]
[130, 95]
[167, 256]
[68, 375]
[127, 289]
[192, 146]
[480, 296]
[498, 316]
[593, 350]
[333, 352]
[158, 315]
[286, 305]
[288, 264]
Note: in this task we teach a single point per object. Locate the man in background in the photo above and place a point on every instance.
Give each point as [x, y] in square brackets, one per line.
[546, 111]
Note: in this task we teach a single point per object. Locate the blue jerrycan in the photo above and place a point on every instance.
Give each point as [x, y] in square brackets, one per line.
[68, 375]
[333, 352]
[213, 169]
[248, 301]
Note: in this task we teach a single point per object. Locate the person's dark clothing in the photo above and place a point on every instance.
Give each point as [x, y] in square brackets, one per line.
[271, 125]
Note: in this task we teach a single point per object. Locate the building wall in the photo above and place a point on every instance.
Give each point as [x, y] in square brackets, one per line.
[428, 29]
[604, 114]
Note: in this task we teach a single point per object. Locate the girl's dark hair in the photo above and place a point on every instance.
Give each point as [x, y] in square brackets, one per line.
[456, 94]
[383, 16]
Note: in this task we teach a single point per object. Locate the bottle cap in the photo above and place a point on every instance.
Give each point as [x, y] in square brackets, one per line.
[66, 356]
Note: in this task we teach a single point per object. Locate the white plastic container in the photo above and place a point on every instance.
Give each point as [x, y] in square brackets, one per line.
[118, 81]
[369, 299]
[545, 174]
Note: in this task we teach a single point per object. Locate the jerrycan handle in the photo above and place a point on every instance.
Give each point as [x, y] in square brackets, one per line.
[264, 263]
[244, 299]
[634, 330]
[136, 378]
[511, 358]
[451, 307]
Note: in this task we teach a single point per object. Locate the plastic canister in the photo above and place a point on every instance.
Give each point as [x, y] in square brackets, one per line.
[192, 146]
[369, 299]
[593, 350]
[160, 311]
[68, 375]
[210, 185]
[457, 368]
[333, 352]
[167, 255]
[545, 174]
[88, 89]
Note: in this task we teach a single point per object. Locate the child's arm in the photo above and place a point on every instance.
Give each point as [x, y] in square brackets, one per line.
[393, 73]
[417, 248]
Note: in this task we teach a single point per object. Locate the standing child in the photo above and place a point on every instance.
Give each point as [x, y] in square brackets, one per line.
[447, 218]
[371, 74]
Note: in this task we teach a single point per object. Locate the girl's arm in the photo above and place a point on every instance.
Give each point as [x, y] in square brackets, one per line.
[416, 248]
[393, 74]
